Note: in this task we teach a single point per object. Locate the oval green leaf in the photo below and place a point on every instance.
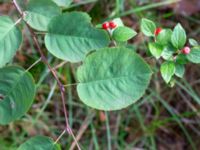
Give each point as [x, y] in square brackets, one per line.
[112, 78]
[123, 34]
[164, 37]
[10, 40]
[71, 36]
[167, 70]
[148, 27]
[180, 70]
[17, 91]
[193, 42]
[194, 55]
[39, 13]
[155, 49]
[178, 38]
[39, 143]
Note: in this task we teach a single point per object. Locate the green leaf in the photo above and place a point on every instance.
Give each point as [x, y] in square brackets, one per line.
[112, 78]
[155, 49]
[118, 22]
[164, 37]
[180, 70]
[194, 55]
[122, 34]
[63, 3]
[178, 38]
[167, 70]
[193, 42]
[39, 143]
[181, 59]
[148, 27]
[17, 90]
[10, 40]
[168, 52]
[71, 36]
[39, 13]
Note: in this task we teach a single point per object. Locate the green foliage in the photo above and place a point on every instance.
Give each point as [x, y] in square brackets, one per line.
[193, 42]
[180, 70]
[164, 37]
[17, 89]
[63, 3]
[148, 27]
[155, 49]
[39, 13]
[118, 22]
[194, 55]
[168, 52]
[10, 40]
[39, 143]
[109, 78]
[182, 59]
[71, 36]
[167, 70]
[123, 34]
[109, 82]
[178, 38]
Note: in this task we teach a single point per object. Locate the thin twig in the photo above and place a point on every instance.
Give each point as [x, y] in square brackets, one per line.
[82, 129]
[60, 137]
[73, 84]
[35, 63]
[44, 59]
[60, 65]
[18, 21]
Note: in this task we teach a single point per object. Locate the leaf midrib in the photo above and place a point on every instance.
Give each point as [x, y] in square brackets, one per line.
[73, 36]
[115, 78]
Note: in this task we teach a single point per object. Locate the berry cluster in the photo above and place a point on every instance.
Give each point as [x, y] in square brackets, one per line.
[109, 25]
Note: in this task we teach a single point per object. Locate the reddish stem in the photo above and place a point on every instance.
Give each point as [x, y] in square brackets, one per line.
[44, 59]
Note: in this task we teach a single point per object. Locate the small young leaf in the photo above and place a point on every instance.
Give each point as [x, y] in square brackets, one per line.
[107, 81]
[155, 49]
[148, 27]
[167, 70]
[39, 143]
[63, 3]
[172, 82]
[194, 55]
[168, 52]
[71, 36]
[40, 12]
[164, 37]
[193, 42]
[10, 40]
[178, 38]
[123, 34]
[18, 90]
[180, 70]
[118, 22]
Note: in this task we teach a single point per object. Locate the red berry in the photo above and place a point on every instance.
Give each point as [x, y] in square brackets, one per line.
[186, 50]
[105, 25]
[112, 25]
[157, 31]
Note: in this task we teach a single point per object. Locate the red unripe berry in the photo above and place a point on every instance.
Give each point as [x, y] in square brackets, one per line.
[105, 25]
[157, 31]
[186, 50]
[112, 25]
